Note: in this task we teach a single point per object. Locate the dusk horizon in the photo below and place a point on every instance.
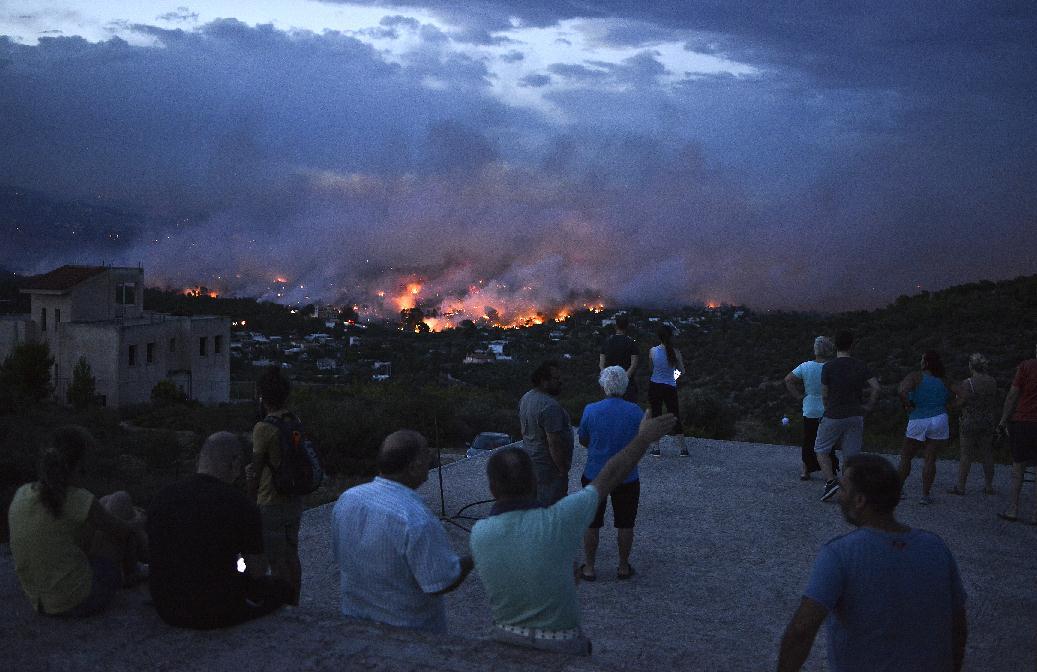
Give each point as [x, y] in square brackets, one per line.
[535, 156]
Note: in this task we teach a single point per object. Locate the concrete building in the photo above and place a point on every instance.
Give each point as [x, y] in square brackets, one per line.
[97, 312]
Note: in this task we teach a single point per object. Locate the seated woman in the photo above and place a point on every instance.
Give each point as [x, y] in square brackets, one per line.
[71, 551]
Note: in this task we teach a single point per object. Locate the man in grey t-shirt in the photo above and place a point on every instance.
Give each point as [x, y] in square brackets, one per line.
[842, 381]
[547, 433]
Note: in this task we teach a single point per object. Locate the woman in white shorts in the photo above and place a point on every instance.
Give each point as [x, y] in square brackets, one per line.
[925, 394]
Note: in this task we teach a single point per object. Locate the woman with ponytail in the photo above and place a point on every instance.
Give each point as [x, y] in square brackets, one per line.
[71, 551]
[924, 394]
[667, 366]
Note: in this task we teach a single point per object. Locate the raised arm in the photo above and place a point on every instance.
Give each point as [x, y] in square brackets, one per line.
[800, 634]
[617, 468]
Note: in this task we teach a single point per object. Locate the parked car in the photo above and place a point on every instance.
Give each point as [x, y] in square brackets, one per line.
[487, 441]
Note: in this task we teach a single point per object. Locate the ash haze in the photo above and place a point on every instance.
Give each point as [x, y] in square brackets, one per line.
[533, 154]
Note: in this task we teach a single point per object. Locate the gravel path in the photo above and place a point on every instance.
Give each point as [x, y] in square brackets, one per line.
[725, 541]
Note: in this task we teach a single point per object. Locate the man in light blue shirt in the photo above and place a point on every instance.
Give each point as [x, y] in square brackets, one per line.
[525, 552]
[394, 558]
[892, 595]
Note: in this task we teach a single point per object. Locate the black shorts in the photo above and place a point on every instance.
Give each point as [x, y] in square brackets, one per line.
[1022, 436]
[660, 395]
[624, 505]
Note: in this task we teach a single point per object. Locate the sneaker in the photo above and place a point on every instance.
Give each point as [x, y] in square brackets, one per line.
[831, 487]
[656, 452]
[685, 453]
[925, 500]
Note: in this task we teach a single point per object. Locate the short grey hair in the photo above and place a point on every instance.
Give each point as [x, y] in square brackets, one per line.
[978, 362]
[824, 347]
[613, 380]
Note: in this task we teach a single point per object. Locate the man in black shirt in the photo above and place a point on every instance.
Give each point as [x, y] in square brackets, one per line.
[198, 529]
[621, 350]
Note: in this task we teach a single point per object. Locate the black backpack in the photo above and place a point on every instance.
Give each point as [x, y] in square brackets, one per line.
[300, 472]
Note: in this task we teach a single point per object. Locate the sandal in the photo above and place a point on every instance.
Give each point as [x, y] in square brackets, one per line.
[1006, 517]
[623, 577]
[591, 578]
[955, 491]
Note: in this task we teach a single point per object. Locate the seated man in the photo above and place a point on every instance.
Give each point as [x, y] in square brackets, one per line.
[393, 556]
[198, 528]
[525, 552]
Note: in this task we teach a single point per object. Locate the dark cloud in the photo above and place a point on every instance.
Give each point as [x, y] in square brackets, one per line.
[872, 151]
[181, 15]
[535, 81]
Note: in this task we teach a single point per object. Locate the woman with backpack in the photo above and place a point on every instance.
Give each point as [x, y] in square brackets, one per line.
[667, 367]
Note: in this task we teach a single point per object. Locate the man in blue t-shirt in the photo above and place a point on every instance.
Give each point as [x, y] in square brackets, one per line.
[892, 594]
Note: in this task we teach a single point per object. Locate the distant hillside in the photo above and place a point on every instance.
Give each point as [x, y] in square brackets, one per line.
[746, 362]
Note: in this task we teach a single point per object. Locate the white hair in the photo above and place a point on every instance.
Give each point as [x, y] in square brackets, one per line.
[824, 347]
[613, 380]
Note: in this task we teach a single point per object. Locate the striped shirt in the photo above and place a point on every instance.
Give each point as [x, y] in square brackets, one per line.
[392, 553]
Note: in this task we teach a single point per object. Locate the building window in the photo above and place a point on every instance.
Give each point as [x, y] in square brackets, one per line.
[133, 355]
[217, 344]
[57, 317]
[126, 293]
[172, 345]
[43, 319]
[149, 353]
[203, 346]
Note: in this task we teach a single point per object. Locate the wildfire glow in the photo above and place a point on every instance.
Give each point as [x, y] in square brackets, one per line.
[281, 279]
[201, 291]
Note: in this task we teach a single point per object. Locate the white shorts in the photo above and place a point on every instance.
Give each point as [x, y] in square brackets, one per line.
[935, 428]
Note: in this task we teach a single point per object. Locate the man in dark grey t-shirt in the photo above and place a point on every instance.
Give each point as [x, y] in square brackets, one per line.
[547, 433]
[842, 381]
[621, 350]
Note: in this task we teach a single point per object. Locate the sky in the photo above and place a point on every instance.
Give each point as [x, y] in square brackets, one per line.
[783, 155]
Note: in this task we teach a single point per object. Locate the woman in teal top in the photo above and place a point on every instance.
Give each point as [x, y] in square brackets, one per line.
[925, 394]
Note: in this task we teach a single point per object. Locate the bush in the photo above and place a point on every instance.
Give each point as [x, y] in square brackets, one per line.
[706, 416]
[25, 375]
[165, 392]
[84, 386]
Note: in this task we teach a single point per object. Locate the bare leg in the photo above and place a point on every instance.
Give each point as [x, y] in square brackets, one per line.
[590, 550]
[929, 470]
[825, 460]
[682, 444]
[964, 466]
[625, 541]
[907, 453]
[988, 464]
[1033, 518]
[1017, 487]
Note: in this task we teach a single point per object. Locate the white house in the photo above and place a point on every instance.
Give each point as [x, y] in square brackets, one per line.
[97, 312]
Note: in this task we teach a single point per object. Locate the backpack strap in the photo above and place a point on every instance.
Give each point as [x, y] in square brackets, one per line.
[278, 422]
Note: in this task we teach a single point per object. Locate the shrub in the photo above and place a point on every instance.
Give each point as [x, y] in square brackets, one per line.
[25, 374]
[165, 392]
[84, 386]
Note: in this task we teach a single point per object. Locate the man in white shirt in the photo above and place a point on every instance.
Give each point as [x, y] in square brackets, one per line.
[394, 558]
